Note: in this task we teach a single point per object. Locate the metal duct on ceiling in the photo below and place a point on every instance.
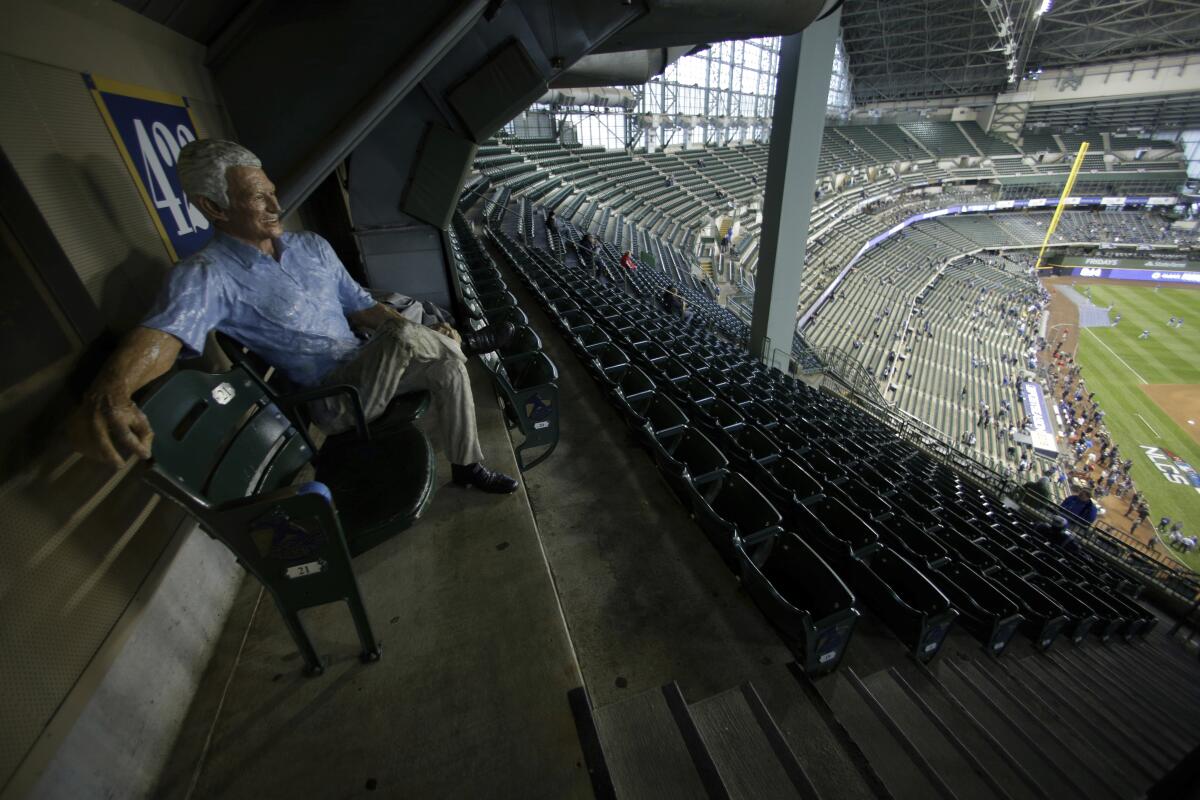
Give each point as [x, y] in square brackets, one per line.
[672, 23]
[629, 68]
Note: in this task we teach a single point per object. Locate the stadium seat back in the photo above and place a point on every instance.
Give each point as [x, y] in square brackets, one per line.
[802, 595]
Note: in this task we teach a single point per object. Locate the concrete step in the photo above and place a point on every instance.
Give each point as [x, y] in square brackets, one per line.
[1056, 735]
[904, 771]
[1089, 724]
[1141, 692]
[1105, 722]
[1014, 779]
[1000, 720]
[838, 767]
[1097, 691]
[746, 745]
[1171, 664]
[940, 747]
[1169, 697]
[1174, 649]
[648, 754]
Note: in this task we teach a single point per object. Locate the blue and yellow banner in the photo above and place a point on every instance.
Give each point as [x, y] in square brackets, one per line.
[149, 128]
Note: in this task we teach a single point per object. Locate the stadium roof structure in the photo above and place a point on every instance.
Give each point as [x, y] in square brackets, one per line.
[923, 49]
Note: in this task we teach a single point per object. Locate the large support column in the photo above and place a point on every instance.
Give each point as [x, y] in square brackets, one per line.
[805, 64]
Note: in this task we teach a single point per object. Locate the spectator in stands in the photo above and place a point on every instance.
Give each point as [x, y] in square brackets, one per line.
[551, 223]
[1080, 507]
[287, 296]
[591, 251]
[673, 303]
[627, 261]
[1057, 533]
[1039, 487]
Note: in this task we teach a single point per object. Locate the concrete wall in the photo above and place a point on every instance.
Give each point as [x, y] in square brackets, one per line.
[124, 734]
[109, 602]
[1137, 78]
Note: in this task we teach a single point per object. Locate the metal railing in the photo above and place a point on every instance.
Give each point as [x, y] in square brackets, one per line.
[848, 370]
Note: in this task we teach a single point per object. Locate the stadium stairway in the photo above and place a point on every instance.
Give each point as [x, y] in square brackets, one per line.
[968, 727]
[1086, 717]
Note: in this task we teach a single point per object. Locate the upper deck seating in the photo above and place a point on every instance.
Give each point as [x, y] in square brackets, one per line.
[802, 450]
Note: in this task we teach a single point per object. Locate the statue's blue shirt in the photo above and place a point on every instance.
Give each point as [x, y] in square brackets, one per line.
[292, 312]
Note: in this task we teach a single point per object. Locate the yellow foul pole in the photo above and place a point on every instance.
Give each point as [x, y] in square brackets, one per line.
[1062, 201]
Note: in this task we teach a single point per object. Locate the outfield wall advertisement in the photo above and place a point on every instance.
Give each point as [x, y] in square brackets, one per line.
[1136, 275]
[1173, 265]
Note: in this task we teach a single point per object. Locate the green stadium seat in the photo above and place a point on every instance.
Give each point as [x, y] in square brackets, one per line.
[906, 600]
[691, 464]
[802, 595]
[227, 453]
[1044, 618]
[528, 386]
[1080, 615]
[986, 612]
[737, 512]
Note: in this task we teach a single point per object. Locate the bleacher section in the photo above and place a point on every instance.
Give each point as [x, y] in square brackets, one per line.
[944, 334]
[657, 205]
[941, 139]
[663, 199]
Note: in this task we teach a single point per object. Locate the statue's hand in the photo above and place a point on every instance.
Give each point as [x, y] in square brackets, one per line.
[446, 330]
[110, 429]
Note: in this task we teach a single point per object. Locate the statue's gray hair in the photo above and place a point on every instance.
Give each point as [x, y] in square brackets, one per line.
[202, 165]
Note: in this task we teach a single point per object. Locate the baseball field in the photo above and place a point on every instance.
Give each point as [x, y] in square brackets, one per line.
[1149, 388]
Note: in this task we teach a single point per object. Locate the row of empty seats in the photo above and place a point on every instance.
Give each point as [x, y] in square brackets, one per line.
[820, 506]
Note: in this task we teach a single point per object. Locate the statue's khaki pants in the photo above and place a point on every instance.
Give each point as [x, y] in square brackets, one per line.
[402, 358]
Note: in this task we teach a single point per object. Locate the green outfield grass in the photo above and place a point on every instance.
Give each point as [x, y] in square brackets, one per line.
[1115, 362]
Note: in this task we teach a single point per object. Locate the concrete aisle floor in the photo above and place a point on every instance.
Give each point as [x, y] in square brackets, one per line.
[647, 598]
[469, 699]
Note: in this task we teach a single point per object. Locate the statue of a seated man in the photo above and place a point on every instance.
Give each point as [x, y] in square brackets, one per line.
[287, 297]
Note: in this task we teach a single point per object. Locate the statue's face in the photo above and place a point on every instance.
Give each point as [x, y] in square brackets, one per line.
[254, 213]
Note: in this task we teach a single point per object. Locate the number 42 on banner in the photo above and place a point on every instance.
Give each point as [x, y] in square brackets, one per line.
[150, 128]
